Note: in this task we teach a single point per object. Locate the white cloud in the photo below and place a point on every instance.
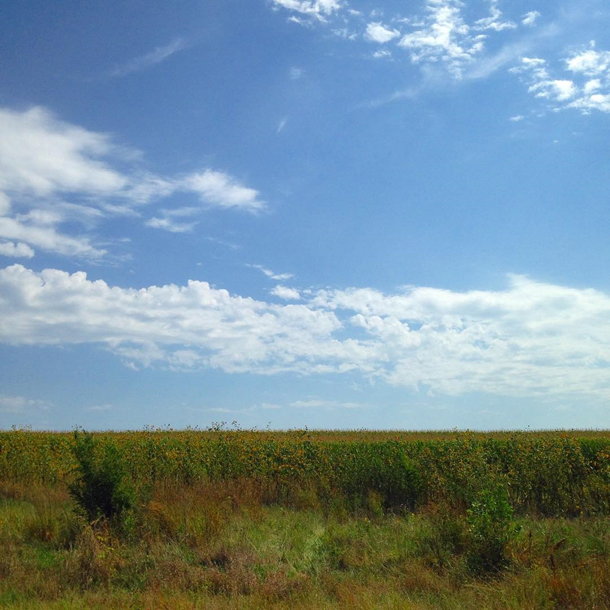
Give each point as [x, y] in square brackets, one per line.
[580, 90]
[42, 156]
[54, 174]
[315, 403]
[377, 32]
[595, 101]
[345, 33]
[182, 327]
[517, 118]
[382, 54]
[48, 238]
[5, 204]
[19, 404]
[104, 407]
[168, 224]
[156, 56]
[316, 8]
[222, 190]
[558, 90]
[589, 62]
[593, 85]
[494, 21]
[279, 277]
[531, 339]
[15, 250]
[446, 36]
[485, 66]
[295, 73]
[529, 19]
[288, 294]
[443, 36]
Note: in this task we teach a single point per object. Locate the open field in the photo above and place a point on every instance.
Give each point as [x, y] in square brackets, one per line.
[255, 519]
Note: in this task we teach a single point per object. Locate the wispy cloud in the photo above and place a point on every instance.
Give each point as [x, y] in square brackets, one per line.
[54, 174]
[156, 56]
[316, 403]
[169, 224]
[101, 408]
[494, 21]
[20, 404]
[530, 18]
[222, 190]
[279, 277]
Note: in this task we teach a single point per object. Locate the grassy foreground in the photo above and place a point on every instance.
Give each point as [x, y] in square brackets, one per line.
[305, 520]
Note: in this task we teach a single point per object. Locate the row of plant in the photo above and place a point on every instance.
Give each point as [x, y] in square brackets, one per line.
[560, 475]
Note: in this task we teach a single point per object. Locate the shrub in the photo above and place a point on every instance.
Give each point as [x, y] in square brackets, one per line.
[100, 488]
[490, 528]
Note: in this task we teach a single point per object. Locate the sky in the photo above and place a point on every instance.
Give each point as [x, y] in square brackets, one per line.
[289, 213]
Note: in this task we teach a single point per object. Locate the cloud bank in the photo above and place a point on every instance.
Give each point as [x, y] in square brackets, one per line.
[530, 339]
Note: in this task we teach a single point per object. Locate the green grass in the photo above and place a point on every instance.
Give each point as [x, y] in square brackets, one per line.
[273, 556]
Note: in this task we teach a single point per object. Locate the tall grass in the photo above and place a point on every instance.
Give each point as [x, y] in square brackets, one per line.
[304, 519]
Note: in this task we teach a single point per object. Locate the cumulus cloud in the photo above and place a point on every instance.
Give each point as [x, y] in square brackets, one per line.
[584, 84]
[443, 36]
[530, 339]
[320, 9]
[589, 62]
[286, 293]
[54, 174]
[180, 326]
[377, 32]
[15, 250]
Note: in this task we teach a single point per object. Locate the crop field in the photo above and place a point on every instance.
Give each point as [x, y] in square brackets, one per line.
[227, 518]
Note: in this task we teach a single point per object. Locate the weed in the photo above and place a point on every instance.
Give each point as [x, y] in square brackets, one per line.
[100, 488]
[490, 529]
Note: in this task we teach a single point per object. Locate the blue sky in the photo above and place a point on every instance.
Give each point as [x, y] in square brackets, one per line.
[321, 213]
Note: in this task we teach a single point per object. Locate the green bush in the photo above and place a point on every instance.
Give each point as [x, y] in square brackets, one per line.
[490, 529]
[100, 488]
